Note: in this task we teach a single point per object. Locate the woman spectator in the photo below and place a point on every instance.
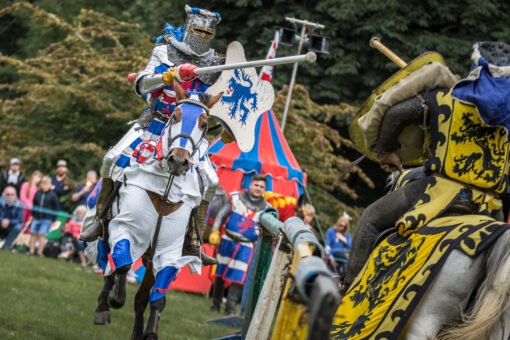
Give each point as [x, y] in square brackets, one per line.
[46, 199]
[338, 243]
[27, 193]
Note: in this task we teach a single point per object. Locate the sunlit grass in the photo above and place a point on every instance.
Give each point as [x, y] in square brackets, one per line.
[42, 298]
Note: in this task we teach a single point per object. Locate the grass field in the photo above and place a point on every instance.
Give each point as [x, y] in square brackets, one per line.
[42, 298]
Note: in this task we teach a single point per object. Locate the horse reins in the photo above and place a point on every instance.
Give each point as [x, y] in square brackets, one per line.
[160, 216]
[171, 178]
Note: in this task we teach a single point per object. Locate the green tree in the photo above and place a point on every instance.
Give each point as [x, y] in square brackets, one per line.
[72, 99]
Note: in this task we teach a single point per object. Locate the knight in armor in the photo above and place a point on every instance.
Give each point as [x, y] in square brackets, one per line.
[237, 242]
[175, 56]
[467, 167]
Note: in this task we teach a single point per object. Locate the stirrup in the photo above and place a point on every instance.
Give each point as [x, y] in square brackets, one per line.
[95, 232]
[190, 250]
[207, 260]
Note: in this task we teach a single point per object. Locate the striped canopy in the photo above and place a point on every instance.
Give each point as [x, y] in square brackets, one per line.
[270, 157]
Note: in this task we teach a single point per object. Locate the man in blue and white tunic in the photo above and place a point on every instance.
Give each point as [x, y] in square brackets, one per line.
[237, 243]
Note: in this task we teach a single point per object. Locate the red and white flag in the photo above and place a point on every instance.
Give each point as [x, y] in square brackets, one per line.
[267, 71]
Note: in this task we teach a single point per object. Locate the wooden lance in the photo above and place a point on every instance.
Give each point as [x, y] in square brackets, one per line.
[376, 43]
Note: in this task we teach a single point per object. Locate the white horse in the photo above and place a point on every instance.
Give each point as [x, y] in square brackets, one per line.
[161, 188]
[442, 314]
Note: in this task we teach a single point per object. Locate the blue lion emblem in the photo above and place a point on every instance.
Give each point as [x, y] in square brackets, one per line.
[239, 96]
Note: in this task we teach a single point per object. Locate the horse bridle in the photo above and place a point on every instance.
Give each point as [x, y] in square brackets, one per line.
[185, 135]
[171, 178]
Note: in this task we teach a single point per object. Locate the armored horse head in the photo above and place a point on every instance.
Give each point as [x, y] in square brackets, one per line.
[181, 139]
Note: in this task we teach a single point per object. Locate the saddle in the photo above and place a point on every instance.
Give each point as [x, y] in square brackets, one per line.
[168, 208]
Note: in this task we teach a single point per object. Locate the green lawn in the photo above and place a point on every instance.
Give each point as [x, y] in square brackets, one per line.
[42, 298]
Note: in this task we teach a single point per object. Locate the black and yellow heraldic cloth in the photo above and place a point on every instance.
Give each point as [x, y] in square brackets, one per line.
[469, 161]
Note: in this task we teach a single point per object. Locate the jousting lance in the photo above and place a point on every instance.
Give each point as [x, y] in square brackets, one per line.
[376, 43]
[310, 57]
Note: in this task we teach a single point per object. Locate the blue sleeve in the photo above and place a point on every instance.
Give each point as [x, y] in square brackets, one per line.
[349, 242]
[78, 189]
[18, 216]
[330, 237]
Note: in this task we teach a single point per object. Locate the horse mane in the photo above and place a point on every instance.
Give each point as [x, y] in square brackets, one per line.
[492, 298]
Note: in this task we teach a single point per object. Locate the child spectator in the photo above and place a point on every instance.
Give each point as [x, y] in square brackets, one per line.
[27, 193]
[306, 213]
[45, 198]
[73, 227]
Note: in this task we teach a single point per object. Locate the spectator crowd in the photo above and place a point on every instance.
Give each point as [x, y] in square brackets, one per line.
[31, 208]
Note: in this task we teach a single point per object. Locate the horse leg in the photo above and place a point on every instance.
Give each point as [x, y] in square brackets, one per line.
[117, 296]
[102, 316]
[151, 332]
[141, 301]
[446, 296]
[120, 260]
[158, 300]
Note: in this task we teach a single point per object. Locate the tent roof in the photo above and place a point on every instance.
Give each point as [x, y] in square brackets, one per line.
[270, 155]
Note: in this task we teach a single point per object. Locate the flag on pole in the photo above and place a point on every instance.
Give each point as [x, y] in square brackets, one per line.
[267, 71]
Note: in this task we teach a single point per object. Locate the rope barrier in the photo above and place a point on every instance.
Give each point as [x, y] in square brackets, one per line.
[18, 204]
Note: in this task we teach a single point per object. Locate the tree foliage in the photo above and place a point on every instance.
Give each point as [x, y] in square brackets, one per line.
[316, 146]
[72, 99]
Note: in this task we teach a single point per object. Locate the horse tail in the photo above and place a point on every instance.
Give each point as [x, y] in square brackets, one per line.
[492, 298]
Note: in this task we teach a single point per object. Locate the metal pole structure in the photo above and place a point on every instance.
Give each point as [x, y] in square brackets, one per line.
[305, 24]
[292, 79]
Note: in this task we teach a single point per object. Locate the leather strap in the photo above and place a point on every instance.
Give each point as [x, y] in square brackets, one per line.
[169, 207]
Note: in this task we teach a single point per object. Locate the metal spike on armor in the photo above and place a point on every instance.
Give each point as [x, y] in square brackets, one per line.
[495, 52]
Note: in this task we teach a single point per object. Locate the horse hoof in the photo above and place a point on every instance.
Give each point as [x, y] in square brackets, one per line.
[116, 301]
[102, 318]
[150, 336]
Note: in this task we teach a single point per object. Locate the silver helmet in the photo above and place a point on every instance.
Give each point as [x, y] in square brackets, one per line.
[199, 29]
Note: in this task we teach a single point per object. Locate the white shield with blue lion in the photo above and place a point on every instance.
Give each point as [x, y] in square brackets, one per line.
[245, 98]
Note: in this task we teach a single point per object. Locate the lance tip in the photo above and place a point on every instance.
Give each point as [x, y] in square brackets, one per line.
[311, 57]
[374, 40]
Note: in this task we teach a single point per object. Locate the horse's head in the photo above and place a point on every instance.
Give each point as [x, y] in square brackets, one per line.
[185, 129]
